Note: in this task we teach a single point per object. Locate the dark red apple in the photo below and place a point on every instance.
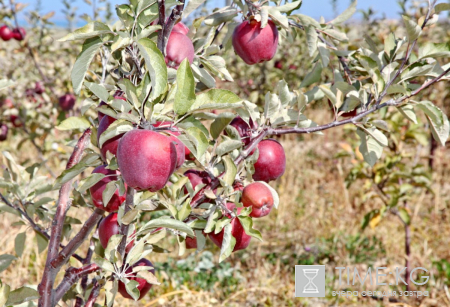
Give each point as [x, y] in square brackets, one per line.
[143, 286]
[111, 144]
[243, 128]
[15, 120]
[258, 196]
[271, 162]
[253, 44]
[196, 178]
[191, 242]
[146, 159]
[39, 88]
[109, 227]
[181, 149]
[351, 113]
[3, 132]
[19, 34]
[5, 33]
[278, 65]
[99, 187]
[237, 231]
[67, 102]
[180, 28]
[179, 47]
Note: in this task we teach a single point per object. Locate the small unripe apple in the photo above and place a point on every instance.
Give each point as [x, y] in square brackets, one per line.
[180, 28]
[197, 177]
[3, 132]
[19, 34]
[253, 44]
[111, 144]
[179, 47]
[108, 227]
[143, 286]
[258, 196]
[5, 33]
[191, 242]
[181, 149]
[39, 88]
[15, 120]
[237, 231]
[146, 159]
[67, 102]
[97, 190]
[271, 162]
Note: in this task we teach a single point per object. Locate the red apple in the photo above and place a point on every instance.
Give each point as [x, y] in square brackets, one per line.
[253, 44]
[179, 47]
[39, 88]
[181, 149]
[278, 65]
[7, 104]
[3, 132]
[180, 28]
[5, 33]
[97, 190]
[15, 120]
[111, 144]
[271, 162]
[143, 286]
[109, 227]
[146, 159]
[243, 128]
[67, 102]
[196, 178]
[191, 242]
[19, 34]
[292, 67]
[237, 231]
[258, 196]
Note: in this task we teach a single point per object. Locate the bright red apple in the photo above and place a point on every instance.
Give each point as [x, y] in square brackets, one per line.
[237, 231]
[271, 162]
[3, 132]
[67, 102]
[253, 44]
[179, 47]
[19, 33]
[146, 159]
[5, 33]
[108, 227]
[180, 28]
[181, 149]
[258, 196]
[143, 286]
[99, 187]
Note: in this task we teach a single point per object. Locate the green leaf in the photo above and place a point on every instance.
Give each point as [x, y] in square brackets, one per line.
[108, 192]
[90, 181]
[408, 112]
[185, 94]
[313, 76]
[377, 135]
[413, 30]
[228, 243]
[156, 65]
[42, 242]
[131, 287]
[167, 223]
[230, 171]
[74, 123]
[98, 90]
[103, 263]
[4, 83]
[439, 123]
[69, 174]
[19, 244]
[184, 211]
[216, 98]
[278, 17]
[84, 59]
[118, 127]
[219, 124]
[311, 39]
[369, 148]
[441, 7]
[224, 14]
[4, 293]
[228, 146]
[22, 295]
[289, 7]
[431, 50]
[404, 215]
[247, 223]
[92, 29]
[200, 141]
[5, 261]
[192, 6]
[345, 15]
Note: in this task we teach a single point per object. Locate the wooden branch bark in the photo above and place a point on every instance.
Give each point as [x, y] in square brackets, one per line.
[124, 228]
[45, 288]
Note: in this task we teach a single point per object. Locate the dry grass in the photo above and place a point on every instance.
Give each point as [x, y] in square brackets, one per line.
[314, 205]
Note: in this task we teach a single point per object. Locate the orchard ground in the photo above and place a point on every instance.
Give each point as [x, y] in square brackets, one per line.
[318, 220]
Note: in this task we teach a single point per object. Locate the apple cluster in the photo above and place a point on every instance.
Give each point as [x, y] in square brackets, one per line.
[6, 33]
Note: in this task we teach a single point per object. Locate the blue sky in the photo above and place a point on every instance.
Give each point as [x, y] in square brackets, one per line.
[314, 8]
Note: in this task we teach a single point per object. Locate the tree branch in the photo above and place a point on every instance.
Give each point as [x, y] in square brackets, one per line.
[124, 228]
[79, 238]
[94, 294]
[163, 37]
[71, 277]
[161, 21]
[45, 288]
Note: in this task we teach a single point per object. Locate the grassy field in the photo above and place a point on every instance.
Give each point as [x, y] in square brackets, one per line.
[318, 222]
